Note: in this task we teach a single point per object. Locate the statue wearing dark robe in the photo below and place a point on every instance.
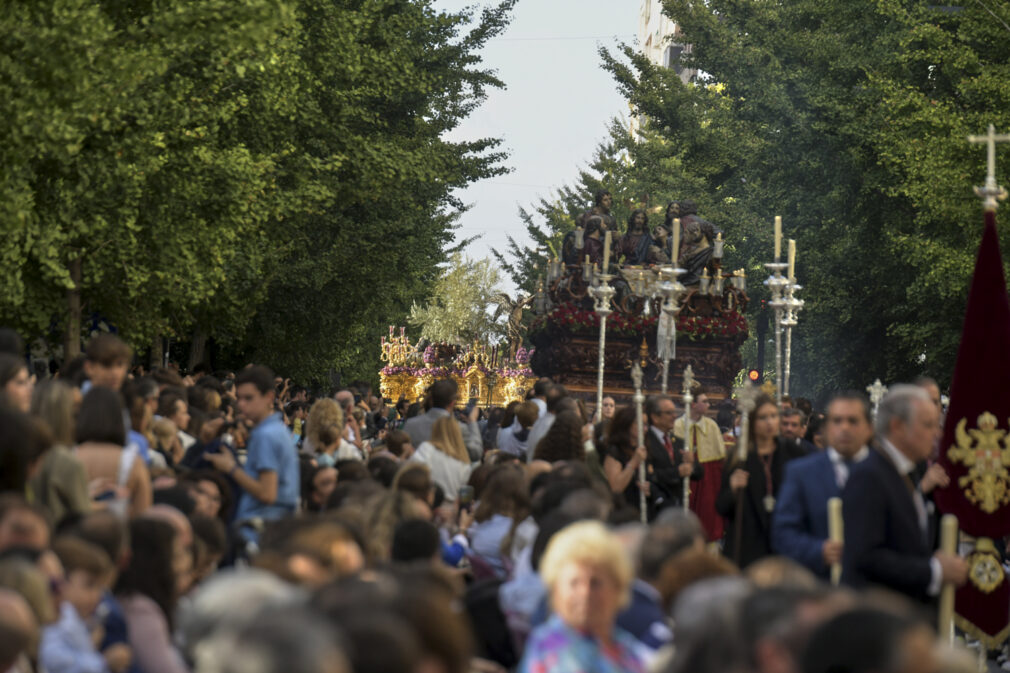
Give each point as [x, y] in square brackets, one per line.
[637, 246]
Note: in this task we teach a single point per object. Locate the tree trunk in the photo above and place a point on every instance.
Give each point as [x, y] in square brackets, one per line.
[72, 337]
[198, 348]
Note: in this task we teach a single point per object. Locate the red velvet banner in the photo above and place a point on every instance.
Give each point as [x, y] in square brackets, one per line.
[975, 449]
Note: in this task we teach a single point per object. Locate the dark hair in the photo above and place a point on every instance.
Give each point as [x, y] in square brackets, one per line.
[555, 394]
[652, 404]
[329, 435]
[413, 478]
[443, 393]
[854, 396]
[10, 365]
[175, 496]
[395, 441]
[598, 196]
[563, 440]
[509, 415]
[789, 412]
[726, 416]
[259, 376]
[167, 377]
[861, 640]
[167, 400]
[23, 440]
[631, 219]
[150, 570]
[415, 540]
[211, 532]
[351, 470]
[675, 531]
[100, 418]
[194, 477]
[383, 469]
[618, 438]
[541, 386]
[108, 350]
[504, 493]
[759, 401]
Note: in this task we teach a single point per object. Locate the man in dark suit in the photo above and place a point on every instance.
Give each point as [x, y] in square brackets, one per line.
[800, 523]
[887, 527]
[667, 458]
[793, 429]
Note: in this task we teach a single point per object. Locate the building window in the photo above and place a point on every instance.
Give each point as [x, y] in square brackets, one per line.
[671, 57]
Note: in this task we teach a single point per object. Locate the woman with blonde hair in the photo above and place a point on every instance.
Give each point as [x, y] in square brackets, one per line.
[61, 485]
[588, 576]
[446, 456]
[323, 414]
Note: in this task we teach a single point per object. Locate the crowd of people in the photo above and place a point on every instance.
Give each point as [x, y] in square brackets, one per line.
[230, 521]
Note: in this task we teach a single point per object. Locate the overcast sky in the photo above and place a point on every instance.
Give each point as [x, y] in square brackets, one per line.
[554, 111]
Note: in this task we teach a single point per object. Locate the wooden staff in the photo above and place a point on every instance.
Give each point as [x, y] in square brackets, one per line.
[948, 544]
[836, 533]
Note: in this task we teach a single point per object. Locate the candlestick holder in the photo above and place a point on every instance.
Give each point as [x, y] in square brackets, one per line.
[776, 284]
[671, 290]
[602, 294]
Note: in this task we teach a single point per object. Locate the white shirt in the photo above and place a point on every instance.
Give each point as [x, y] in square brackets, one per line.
[842, 467]
[905, 466]
[537, 433]
[446, 471]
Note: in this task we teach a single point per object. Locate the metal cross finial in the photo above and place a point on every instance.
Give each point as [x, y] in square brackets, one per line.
[991, 194]
[746, 397]
[689, 381]
[877, 392]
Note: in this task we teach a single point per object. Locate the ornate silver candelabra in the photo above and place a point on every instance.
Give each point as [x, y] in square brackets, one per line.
[777, 284]
[666, 337]
[602, 294]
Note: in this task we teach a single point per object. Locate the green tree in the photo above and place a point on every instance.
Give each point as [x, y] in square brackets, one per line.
[849, 120]
[458, 311]
[119, 196]
[381, 84]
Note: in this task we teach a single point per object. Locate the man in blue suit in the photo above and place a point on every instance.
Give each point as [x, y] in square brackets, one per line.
[800, 522]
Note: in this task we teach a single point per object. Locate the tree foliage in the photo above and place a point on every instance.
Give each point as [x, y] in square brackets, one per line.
[458, 311]
[270, 173]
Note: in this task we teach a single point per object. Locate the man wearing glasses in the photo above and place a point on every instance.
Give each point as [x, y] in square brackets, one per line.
[670, 465]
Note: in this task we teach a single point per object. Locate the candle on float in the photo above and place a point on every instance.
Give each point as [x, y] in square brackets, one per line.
[704, 274]
[792, 259]
[718, 246]
[606, 252]
[675, 249]
[778, 238]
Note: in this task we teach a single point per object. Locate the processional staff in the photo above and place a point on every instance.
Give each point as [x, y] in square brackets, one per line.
[639, 398]
[836, 533]
[689, 382]
[602, 294]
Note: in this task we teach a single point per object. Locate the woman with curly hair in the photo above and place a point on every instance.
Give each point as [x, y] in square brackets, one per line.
[325, 413]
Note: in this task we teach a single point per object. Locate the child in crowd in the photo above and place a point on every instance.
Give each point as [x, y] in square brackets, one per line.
[68, 646]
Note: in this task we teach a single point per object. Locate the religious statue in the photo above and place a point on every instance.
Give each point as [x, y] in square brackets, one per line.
[637, 246]
[514, 327]
[697, 235]
[596, 219]
[601, 209]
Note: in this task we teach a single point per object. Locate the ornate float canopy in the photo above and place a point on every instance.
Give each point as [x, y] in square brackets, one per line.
[482, 372]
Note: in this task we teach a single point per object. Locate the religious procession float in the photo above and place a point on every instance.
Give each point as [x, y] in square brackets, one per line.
[660, 297]
[483, 373]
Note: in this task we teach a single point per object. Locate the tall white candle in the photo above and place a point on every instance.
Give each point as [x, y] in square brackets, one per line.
[606, 252]
[676, 240]
[792, 259]
[778, 237]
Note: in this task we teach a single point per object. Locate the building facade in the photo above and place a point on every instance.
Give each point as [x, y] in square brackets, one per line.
[658, 39]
